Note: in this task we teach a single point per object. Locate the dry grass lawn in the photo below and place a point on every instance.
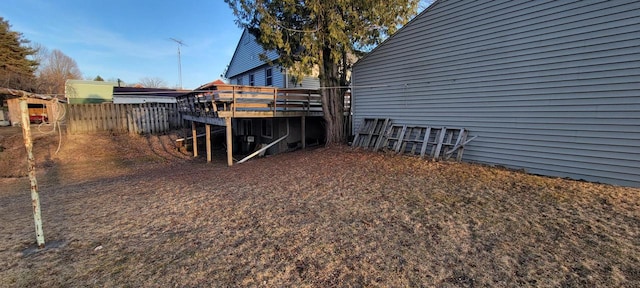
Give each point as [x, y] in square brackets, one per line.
[134, 211]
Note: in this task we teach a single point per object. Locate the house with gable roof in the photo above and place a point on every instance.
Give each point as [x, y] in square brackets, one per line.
[260, 108]
[247, 67]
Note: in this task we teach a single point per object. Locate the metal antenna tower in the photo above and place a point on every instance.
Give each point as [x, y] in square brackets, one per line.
[180, 43]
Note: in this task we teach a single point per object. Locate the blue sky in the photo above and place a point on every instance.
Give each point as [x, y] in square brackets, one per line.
[130, 39]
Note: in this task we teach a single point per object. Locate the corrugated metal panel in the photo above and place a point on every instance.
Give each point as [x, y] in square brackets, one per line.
[246, 56]
[549, 86]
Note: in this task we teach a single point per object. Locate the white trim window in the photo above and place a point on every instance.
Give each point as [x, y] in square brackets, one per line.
[268, 76]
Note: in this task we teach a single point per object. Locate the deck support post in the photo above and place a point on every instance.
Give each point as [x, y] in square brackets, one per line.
[303, 131]
[227, 122]
[194, 134]
[208, 141]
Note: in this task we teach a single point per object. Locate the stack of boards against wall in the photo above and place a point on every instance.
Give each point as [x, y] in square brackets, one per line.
[438, 143]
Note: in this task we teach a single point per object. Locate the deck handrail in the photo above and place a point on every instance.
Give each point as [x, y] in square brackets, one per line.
[226, 100]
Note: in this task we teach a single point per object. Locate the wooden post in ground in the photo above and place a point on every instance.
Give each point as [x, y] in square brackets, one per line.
[35, 198]
[227, 123]
[208, 141]
[303, 131]
[194, 134]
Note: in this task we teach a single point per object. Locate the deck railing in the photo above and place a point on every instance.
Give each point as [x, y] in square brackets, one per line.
[252, 101]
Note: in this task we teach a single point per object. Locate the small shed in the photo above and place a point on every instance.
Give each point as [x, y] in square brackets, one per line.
[86, 91]
[40, 110]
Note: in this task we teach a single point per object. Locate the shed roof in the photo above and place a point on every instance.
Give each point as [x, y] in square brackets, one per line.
[148, 92]
[14, 93]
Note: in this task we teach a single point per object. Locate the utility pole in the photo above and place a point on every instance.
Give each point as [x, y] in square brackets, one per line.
[180, 43]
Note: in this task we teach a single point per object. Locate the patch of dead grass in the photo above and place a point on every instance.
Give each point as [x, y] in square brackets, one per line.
[315, 218]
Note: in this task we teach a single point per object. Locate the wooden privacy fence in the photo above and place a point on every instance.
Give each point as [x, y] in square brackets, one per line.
[122, 118]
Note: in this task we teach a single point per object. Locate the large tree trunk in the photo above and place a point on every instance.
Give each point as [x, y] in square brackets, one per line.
[332, 99]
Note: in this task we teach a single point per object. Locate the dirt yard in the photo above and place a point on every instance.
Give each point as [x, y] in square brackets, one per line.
[133, 211]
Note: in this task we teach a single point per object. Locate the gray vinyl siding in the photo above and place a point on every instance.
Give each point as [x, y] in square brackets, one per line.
[278, 78]
[246, 60]
[549, 86]
[308, 82]
[247, 56]
[260, 77]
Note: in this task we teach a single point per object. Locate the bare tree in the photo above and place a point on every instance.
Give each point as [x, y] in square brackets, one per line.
[41, 54]
[55, 71]
[152, 82]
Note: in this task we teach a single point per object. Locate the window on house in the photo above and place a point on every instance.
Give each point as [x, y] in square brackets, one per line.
[252, 79]
[267, 128]
[239, 80]
[268, 77]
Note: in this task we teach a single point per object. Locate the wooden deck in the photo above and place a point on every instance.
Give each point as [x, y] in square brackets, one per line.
[218, 104]
[237, 101]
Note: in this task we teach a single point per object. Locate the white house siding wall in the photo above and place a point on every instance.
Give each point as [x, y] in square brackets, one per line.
[549, 86]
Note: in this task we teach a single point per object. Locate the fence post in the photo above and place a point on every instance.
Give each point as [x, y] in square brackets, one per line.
[69, 120]
[122, 116]
[151, 118]
[35, 198]
[166, 124]
[139, 121]
[110, 116]
[116, 117]
[155, 118]
[129, 111]
[83, 118]
[101, 118]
